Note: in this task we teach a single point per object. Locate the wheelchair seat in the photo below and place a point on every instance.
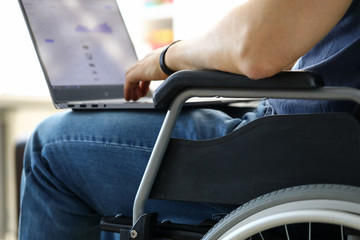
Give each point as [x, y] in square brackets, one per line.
[266, 155]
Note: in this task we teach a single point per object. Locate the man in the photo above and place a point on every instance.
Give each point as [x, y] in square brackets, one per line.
[82, 165]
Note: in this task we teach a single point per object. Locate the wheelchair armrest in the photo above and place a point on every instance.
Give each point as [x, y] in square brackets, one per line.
[181, 80]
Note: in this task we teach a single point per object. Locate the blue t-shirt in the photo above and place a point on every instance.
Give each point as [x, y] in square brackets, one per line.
[337, 59]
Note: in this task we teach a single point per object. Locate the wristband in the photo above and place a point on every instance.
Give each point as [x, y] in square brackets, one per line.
[163, 66]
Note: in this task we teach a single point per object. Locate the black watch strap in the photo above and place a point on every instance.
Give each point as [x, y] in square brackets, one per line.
[163, 66]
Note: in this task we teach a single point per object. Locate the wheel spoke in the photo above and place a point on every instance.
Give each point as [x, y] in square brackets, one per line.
[287, 232]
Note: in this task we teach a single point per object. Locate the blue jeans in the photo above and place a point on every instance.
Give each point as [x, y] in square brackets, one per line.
[81, 165]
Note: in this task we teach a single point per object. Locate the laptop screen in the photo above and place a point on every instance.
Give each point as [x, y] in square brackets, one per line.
[83, 46]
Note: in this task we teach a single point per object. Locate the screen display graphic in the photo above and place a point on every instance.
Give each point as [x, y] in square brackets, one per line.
[80, 42]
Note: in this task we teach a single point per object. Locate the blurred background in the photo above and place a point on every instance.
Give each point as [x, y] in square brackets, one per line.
[24, 97]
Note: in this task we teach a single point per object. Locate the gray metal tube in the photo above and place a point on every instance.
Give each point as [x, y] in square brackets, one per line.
[156, 157]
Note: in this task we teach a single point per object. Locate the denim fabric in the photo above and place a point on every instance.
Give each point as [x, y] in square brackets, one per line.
[79, 166]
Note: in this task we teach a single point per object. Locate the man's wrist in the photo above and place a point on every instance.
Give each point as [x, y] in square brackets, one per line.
[162, 63]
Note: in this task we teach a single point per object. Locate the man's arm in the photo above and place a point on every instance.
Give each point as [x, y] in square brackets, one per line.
[258, 38]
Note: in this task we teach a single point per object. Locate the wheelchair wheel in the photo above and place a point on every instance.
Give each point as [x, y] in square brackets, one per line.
[304, 212]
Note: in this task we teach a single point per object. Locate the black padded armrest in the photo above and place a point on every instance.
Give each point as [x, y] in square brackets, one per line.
[181, 80]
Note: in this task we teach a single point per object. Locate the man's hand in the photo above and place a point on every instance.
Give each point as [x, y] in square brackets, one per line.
[139, 76]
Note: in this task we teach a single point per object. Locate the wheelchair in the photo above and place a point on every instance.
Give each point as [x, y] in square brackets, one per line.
[302, 184]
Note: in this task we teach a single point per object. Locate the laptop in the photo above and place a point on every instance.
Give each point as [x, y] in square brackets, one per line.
[84, 50]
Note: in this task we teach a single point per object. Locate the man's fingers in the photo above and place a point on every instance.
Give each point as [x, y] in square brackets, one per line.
[144, 87]
[134, 91]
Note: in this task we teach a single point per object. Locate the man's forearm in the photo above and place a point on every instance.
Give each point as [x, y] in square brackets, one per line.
[259, 37]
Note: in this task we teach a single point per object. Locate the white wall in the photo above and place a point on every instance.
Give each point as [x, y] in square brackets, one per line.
[194, 16]
[20, 70]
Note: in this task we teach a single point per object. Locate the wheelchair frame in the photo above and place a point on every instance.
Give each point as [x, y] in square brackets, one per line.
[142, 222]
[333, 93]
